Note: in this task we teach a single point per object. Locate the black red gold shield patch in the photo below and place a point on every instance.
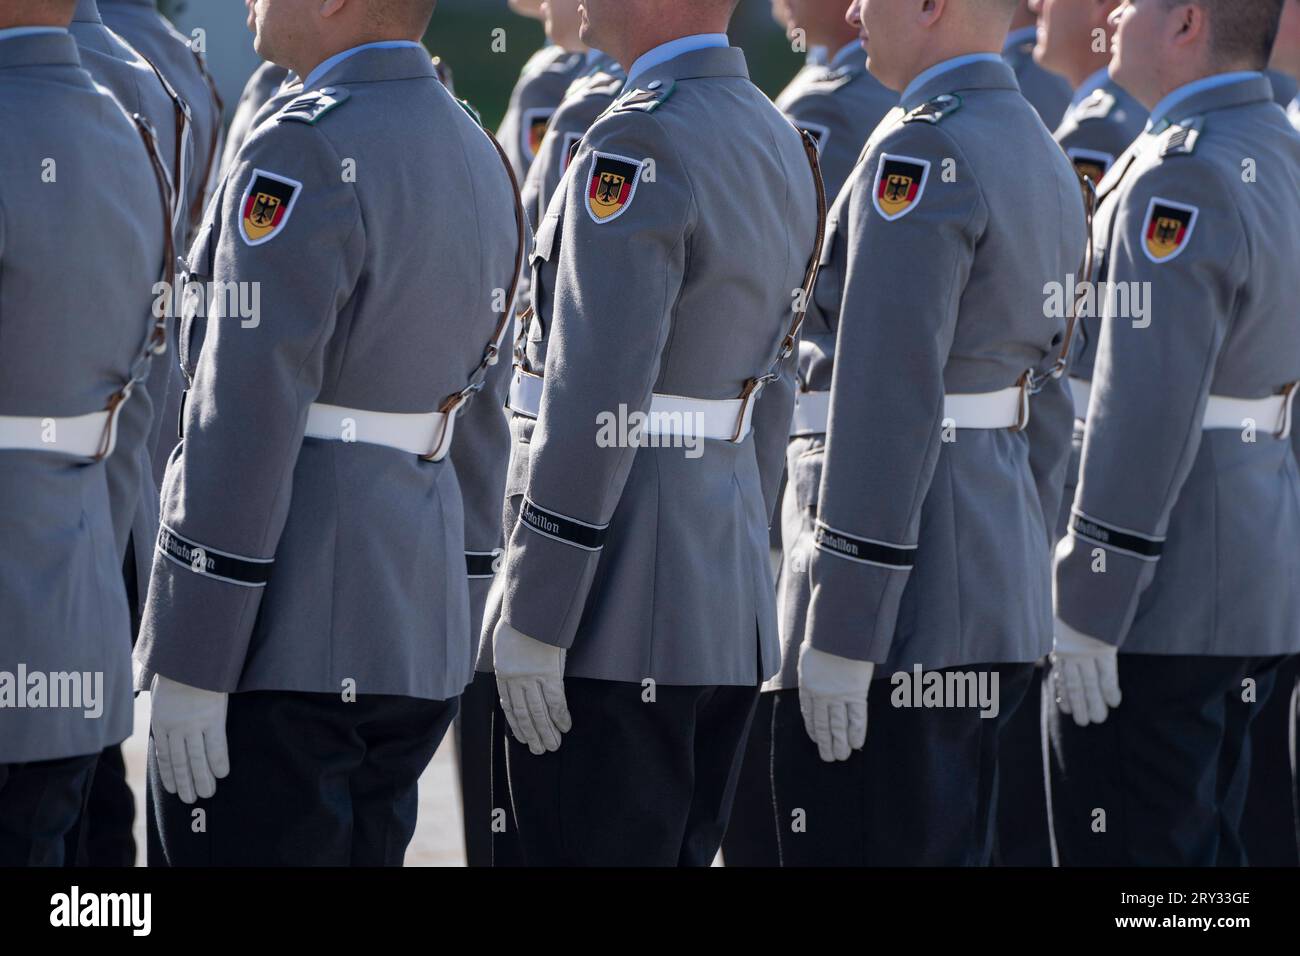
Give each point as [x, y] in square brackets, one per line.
[266, 206]
[611, 185]
[1090, 163]
[535, 124]
[900, 183]
[1167, 229]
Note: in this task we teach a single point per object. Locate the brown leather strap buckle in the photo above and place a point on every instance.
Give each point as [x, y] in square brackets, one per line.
[1288, 411]
[1026, 384]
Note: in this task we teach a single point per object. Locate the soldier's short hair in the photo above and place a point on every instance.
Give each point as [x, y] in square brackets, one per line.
[408, 15]
[1241, 31]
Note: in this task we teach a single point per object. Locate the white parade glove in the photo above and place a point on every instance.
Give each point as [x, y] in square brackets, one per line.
[833, 699]
[189, 738]
[530, 680]
[1085, 675]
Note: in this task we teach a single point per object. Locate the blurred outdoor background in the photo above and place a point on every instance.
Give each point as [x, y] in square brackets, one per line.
[462, 33]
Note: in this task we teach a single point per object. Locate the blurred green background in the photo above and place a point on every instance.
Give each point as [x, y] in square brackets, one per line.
[462, 34]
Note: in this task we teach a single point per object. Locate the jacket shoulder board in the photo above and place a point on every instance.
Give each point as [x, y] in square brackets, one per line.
[1098, 105]
[644, 100]
[1182, 137]
[310, 107]
[936, 110]
[832, 80]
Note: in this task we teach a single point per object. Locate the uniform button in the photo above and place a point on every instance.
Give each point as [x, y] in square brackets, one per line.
[655, 85]
[327, 90]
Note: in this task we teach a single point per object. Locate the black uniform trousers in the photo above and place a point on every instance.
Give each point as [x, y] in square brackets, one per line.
[921, 792]
[751, 838]
[636, 782]
[1270, 825]
[1162, 781]
[41, 805]
[491, 836]
[314, 781]
[1023, 832]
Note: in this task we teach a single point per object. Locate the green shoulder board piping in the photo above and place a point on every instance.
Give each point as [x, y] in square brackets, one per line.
[1181, 138]
[1097, 106]
[310, 107]
[645, 100]
[473, 113]
[936, 110]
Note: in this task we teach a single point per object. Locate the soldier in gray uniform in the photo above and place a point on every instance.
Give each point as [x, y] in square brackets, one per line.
[1101, 122]
[63, 530]
[917, 534]
[635, 612]
[1270, 825]
[838, 104]
[482, 730]
[1048, 93]
[309, 600]
[542, 84]
[1181, 549]
[139, 87]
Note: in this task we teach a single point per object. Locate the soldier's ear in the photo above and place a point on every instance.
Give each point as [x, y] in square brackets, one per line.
[329, 8]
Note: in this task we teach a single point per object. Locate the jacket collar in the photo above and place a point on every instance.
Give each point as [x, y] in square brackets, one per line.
[377, 65]
[981, 74]
[40, 49]
[1249, 88]
[698, 64]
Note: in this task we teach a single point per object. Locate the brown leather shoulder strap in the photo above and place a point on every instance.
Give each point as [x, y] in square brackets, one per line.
[814, 263]
[493, 348]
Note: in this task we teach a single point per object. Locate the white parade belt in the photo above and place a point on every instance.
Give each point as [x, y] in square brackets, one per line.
[82, 436]
[1002, 409]
[427, 435]
[1272, 413]
[726, 419]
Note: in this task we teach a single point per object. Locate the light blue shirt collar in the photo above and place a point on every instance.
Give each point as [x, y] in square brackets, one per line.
[1165, 107]
[1017, 37]
[672, 50]
[338, 58]
[1091, 85]
[593, 55]
[846, 51]
[925, 76]
[14, 32]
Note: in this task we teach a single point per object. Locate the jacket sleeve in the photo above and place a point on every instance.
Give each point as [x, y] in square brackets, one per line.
[1050, 433]
[226, 496]
[1149, 391]
[904, 282]
[481, 454]
[615, 289]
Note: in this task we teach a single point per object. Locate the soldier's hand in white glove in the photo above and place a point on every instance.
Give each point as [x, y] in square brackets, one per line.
[189, 738]
[530, 680]
[1085, 674]
[833, 699]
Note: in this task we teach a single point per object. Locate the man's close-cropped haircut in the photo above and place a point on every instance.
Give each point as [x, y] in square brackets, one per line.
[406, 16]
[1241, 31]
